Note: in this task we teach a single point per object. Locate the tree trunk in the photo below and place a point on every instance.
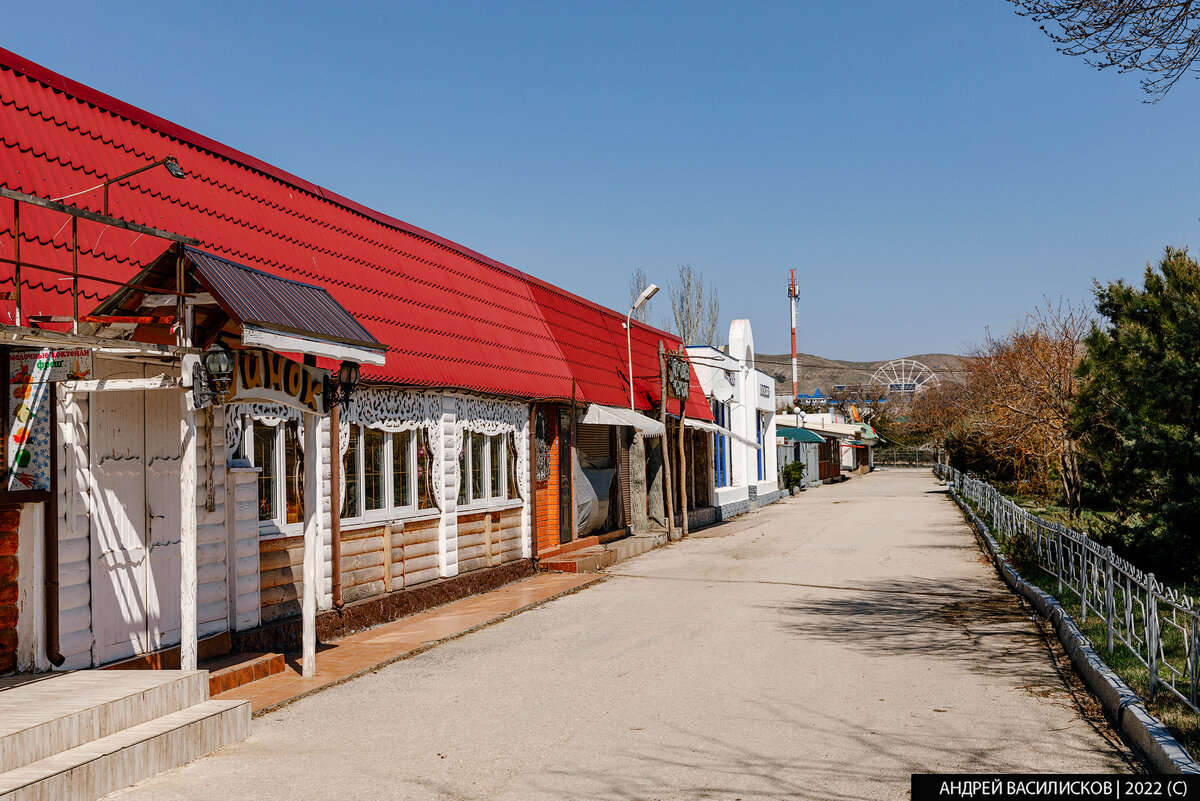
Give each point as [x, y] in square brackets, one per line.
[1068, 462]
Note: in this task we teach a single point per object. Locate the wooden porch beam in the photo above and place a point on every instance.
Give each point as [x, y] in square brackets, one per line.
[162, 381]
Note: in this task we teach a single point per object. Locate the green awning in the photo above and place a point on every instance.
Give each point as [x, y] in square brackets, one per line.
[799, 435]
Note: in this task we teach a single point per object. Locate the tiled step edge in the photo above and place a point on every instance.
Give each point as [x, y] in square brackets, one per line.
[257, 666]
[62, 733]
[98, 768]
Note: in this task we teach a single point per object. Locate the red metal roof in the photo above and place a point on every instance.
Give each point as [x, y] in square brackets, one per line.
[449, 316]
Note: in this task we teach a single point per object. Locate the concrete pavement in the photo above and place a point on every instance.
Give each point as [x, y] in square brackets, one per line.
[824, 647]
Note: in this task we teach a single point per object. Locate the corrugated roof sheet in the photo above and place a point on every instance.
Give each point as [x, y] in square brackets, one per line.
[448, 316]
[259, 298]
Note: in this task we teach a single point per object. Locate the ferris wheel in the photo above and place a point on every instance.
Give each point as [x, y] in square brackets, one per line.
[904, 377]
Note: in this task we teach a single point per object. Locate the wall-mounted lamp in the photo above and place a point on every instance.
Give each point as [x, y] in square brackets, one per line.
[344, 383]
[213, 376]
[218, 363]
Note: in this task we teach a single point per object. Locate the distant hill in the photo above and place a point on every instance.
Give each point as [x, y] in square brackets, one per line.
[819, 372]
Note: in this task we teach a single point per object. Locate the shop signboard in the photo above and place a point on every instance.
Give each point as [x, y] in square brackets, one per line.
[261, 376]
[678, 378]
[31, 377]
[265, 377]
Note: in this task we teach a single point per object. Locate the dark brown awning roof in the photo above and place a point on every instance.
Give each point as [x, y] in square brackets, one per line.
[263, 309]
[256, 298]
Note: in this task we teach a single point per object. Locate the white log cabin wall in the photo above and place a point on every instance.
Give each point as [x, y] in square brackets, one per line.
[448, 547]
[242, 568]
[212, 594]
[75, 640]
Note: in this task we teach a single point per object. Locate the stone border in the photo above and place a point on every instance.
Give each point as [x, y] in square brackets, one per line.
[284, 635]
[1120, 702]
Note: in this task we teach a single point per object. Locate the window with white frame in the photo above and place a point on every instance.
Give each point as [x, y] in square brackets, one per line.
[758, 430]
[386, 473]
[487, 469]
[721, 471]
[275, 450]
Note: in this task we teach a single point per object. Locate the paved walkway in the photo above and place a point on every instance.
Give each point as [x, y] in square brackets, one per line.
[825, 647]
[372, 649]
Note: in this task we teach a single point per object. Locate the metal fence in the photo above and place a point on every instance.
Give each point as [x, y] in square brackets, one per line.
[904, 457]
[1158, 624]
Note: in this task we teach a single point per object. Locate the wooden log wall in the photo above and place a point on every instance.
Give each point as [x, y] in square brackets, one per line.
[487, 539]
[281, 560]
[212, 610]
[390, 557]
[241, 515]
[74, 534]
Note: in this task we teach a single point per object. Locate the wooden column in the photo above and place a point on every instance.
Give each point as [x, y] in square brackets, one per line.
[666, 440]
[188, 626]
[188, 630]
[683, 517]
[312, 543]
[335, 504]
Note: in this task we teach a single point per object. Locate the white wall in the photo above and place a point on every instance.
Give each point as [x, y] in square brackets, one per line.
[74, 534]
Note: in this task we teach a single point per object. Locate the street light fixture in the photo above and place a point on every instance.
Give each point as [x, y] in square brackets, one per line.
[647, 293]
[169, 162]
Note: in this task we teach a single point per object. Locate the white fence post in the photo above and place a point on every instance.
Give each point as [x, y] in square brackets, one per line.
[1108, 595]
[1152, 634]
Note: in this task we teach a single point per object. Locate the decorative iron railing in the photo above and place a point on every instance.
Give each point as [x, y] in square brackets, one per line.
[1159, 625]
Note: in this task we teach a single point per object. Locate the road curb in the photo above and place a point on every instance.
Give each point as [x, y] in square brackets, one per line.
[428, 646]
[1118, 699]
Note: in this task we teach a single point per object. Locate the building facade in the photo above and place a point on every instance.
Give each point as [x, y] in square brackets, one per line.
[166, 525]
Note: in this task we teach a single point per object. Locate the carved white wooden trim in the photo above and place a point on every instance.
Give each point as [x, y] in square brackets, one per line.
[390, 410]
[269, 414]
[395, 410]
[492, 417]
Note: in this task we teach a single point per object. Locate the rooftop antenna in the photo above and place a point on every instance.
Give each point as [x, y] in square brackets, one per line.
[793, 296]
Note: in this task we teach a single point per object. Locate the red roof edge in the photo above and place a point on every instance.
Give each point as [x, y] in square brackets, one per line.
[140, 116]
[593, 304]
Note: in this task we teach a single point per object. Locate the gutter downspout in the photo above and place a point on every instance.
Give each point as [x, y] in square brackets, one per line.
[335, 501]
[50, 541]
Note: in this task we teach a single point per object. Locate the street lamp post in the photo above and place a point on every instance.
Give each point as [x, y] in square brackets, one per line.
[169, 162]
[647, 293]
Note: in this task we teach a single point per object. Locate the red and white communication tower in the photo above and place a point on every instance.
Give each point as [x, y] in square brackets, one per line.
[793, 297]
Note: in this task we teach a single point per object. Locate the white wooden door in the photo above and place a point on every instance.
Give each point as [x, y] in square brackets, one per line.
[164, 413]
[116, 422]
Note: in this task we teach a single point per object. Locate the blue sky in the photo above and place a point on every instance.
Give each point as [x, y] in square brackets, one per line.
[930, 168]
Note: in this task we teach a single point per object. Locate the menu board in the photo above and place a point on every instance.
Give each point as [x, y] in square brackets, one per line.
[31, 391]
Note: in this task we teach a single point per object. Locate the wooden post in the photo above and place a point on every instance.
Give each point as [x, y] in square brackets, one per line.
[571, 465]
[74, 275]
[666, 441]
[335, 503]
[683, 516]
[312, 543]
[531, 500]
[188, 578]
[17, 261]
[188, 631]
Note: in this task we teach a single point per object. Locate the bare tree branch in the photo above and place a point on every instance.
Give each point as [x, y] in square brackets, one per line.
[637, 285]
[1160, 38]
[695, 315]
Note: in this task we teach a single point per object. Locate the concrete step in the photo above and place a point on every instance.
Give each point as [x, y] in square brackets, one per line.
[93, 770]
[59, 712]
[596, 558]
[587, 560]
[233, 671]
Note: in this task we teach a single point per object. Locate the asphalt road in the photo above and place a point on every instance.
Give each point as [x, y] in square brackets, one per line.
[825, 647]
